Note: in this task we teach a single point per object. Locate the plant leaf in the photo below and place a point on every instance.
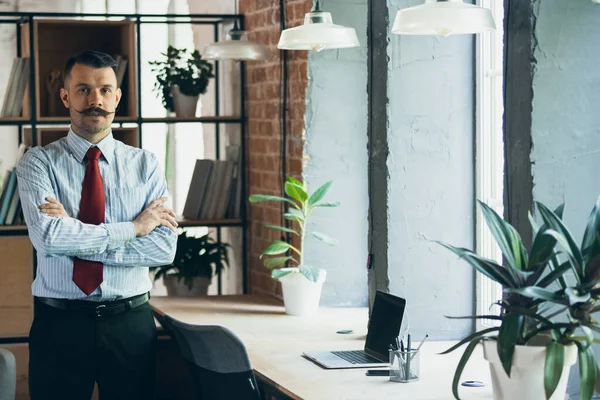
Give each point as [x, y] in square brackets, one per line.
[325, 238]
[507, 339]
[311, 273]
[296, 192]
[276, 247]
[461, 366]
[256, 198]
[575, 265]
[328, 204]
[281, 228]
[555, 223]
[319, 193]
[554, 265]
[552, 327]
[542, 248]
[487, 267]
[293, 217]
[470, 338]
[507, 238]
[495, 317]
[574, 297]
[280, 273]
[534, 225]
[296, 182]
[554, 274]
[587, 371]
[275, 261]
[592, 269]
[553, 366]
[535, 292]
[590, 245]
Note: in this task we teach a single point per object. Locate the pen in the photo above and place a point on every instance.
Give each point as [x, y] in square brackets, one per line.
[422, 341]
[408, 358]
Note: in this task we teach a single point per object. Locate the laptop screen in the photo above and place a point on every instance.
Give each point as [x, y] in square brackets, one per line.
[384, 325]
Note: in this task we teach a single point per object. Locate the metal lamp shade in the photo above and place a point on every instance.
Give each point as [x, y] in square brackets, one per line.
[451, 17]
[317, 33]
[236, 47]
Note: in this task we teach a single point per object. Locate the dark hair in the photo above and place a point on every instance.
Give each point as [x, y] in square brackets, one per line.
[91, 58]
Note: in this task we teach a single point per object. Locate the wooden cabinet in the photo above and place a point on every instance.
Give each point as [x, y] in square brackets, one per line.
[16, 275]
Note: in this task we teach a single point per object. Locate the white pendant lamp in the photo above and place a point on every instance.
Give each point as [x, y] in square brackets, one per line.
[236, 46]
[443, 18]
[317, 33]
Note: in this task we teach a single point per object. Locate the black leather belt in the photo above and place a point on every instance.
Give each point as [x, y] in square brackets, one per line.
[98, 309]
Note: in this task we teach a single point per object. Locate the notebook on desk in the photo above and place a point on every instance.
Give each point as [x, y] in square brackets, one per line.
[384, 327]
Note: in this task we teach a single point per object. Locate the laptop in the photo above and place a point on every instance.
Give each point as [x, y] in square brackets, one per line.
[384, 328]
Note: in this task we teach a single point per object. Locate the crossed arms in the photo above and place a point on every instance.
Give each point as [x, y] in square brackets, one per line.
[149, 240]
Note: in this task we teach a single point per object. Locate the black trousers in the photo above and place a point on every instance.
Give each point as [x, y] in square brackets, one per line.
[70, 351]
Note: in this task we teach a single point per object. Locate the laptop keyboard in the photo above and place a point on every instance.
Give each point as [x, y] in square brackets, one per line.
[356, 357]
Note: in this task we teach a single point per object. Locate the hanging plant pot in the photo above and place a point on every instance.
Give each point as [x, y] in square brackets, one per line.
[184, 105]
[178, 288]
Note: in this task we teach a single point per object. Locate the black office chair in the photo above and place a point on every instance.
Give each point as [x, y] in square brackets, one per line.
[217, 359]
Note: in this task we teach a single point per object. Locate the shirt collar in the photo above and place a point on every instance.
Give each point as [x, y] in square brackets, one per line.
[79, 146]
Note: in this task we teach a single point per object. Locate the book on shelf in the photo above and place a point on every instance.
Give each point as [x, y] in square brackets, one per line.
[16, 88]
[215, 188]
[10, 203]
[121, 67]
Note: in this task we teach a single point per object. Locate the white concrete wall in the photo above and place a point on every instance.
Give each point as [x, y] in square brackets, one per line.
[431, 166]
[336, 148]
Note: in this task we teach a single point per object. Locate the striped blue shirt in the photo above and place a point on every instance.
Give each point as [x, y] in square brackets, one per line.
[132, 179]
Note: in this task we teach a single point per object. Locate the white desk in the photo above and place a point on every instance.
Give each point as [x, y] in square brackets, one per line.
[275, 342]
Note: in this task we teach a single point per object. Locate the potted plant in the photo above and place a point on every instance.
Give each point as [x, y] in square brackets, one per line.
[181, 78]
[197, 260]
[545, 320]
[301, 284]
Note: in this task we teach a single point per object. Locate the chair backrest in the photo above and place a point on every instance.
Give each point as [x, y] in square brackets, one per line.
[8, 375]
[217, 358]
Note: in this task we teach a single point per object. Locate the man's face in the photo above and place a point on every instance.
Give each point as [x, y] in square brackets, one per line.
[91, 95]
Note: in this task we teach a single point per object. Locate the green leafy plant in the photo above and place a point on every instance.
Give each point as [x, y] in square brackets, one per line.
[539, 302]
[195, 257]
[187, 71]
[300, 207]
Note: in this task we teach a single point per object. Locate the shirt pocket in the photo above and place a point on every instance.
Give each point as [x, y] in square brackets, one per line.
[125, 203]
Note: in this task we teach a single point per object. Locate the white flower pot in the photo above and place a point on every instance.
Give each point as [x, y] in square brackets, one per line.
[300, 296]
[180, 289]
[185, 106]
[527, 373]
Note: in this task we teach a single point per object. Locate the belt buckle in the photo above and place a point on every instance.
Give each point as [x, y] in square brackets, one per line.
[99, 310]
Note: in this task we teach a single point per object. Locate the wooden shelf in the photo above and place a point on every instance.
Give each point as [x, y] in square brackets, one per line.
[185, 222]
[45, 136]
[13, 230]
[14, 121]
[67, 120]
[216, 119]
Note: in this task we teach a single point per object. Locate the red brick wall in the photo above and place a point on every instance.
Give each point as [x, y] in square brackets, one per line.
[264, 136]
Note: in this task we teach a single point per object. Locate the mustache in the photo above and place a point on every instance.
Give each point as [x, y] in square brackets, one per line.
[95, 110]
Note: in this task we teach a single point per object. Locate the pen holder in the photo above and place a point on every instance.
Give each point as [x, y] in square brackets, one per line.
[404, 365]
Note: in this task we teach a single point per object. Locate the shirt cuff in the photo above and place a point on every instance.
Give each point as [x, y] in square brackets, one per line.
[119, 233]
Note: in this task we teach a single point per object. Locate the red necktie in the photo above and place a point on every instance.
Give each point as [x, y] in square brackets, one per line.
[87, 275]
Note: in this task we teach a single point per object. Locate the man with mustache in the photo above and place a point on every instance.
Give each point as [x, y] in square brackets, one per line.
[96, 216]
